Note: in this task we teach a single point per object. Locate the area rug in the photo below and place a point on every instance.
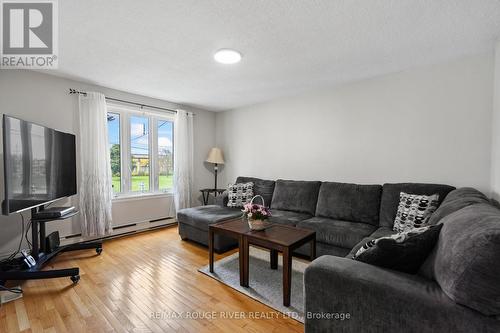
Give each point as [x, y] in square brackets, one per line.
[265, 284]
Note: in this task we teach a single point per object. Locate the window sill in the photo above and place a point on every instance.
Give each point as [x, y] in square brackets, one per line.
[141, 196]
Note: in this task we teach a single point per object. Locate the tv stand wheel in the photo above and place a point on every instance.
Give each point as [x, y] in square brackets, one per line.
[98, 250]
[75, 279]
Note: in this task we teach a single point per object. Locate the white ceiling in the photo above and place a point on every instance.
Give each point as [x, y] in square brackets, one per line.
[164, 48]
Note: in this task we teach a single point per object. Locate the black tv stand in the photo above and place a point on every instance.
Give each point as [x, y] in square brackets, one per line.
[38, 252]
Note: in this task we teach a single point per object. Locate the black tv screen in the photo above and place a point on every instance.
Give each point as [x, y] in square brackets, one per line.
[39, 165]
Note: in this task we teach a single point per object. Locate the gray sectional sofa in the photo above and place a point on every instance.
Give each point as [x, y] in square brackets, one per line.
[457, 289]
[343, 215]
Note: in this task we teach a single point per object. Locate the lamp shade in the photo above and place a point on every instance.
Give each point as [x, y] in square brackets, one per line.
[215, 156]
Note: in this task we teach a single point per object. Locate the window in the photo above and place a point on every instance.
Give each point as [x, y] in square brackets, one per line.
[141, 150]
[165, 155]
[139, 154]
[115, 151]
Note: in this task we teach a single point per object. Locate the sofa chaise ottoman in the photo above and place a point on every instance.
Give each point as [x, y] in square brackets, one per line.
[194, 222]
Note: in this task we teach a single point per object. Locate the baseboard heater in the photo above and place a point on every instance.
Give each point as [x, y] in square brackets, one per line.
[164, 218]
[123, 226]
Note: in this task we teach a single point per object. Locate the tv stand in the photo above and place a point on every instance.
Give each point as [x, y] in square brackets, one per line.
[38, 252]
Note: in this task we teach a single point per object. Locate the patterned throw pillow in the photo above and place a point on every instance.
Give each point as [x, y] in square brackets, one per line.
[239, 194]
[405, 251]
[414, 210]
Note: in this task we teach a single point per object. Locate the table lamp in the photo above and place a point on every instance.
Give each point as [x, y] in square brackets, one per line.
[215, 156]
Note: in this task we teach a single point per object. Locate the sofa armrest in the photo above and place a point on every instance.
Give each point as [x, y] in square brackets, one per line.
[379, 300]
[222, 199]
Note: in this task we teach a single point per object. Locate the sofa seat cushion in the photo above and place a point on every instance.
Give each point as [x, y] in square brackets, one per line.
[296, 196]
[287, 217]
[466, 259]
[262, 187]
[349, 202]
[456, 200]
[344, 234]
[390, 198]
[201, 217]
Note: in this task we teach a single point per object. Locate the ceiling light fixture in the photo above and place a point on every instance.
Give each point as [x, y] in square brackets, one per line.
[227, 56]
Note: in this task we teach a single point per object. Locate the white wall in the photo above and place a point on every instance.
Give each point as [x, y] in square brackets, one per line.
[495, 147]
[428, 124]
[44, 99]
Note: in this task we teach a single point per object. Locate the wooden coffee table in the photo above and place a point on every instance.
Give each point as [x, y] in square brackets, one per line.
[276, 238]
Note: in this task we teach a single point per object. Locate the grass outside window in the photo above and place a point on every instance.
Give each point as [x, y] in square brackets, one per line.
[164, 182]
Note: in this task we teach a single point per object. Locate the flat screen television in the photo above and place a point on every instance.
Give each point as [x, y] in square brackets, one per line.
[39, 165]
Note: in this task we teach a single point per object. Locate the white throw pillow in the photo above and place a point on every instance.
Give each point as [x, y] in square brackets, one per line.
[414, 211]
[239, 194]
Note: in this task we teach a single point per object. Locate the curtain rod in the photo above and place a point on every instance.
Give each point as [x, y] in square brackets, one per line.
[74, 91]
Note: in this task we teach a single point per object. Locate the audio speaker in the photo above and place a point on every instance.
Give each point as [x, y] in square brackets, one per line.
[52, 242]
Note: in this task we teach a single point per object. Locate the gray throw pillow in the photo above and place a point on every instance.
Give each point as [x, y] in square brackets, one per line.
[405, 251]
[414, 210]
[239, 194]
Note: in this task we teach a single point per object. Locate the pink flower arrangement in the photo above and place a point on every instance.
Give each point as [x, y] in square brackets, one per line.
[256, 212]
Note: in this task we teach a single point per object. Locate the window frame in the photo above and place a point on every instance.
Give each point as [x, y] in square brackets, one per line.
[126, 112]
[157, 154]
[129, 155]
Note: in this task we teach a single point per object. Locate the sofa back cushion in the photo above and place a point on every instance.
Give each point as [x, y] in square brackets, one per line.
[390, 198]
[262, 187]
[349, 202]
[456, 200]
[466, 261]
[297, 196]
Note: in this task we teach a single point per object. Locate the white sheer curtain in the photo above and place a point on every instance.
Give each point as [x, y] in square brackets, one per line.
[183, 160]
[95, 183]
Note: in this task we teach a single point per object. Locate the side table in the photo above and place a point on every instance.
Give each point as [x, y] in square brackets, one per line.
[206, 193]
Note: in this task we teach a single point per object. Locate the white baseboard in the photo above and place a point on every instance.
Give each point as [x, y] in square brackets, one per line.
[121, 230]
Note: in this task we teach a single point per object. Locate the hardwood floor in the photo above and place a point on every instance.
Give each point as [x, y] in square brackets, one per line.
[135, 278]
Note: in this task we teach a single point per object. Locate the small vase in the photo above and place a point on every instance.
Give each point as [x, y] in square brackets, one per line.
[256, 224]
